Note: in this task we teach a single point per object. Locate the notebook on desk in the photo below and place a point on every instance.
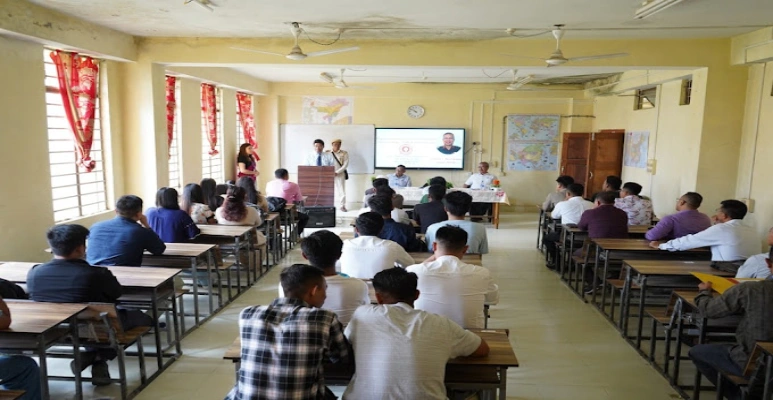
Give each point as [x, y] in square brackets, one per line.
[720, 284]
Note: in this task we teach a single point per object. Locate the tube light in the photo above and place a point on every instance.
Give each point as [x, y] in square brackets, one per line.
[653, 7]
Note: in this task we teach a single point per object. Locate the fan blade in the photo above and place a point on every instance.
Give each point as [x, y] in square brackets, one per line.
[598, 57]
[361, 87]
[258, 51]
[531, 58]
[326, 52]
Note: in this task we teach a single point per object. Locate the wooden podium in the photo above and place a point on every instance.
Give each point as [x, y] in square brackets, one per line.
[317, 184]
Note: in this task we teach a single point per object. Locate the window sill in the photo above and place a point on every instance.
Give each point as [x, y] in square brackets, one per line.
[89, 220]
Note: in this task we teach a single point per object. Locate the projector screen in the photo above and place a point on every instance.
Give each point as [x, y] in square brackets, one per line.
[420, 148]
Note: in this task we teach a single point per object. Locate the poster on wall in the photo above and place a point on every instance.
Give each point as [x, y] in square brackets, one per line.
[532, 142]
[327, 110]
[636, 147]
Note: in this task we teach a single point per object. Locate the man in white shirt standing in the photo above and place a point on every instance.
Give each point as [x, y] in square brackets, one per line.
[457, 204]
[367, 254]
[320, 158]
[401, 352]
[341, 158]
[730, 241]
[569, 211]
[756, 266]
[399, 179]
[481, 180]
[451, 288]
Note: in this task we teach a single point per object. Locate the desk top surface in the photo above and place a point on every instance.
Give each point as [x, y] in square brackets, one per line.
[37, 318]
[635, 229]
[182, 250]
[224, 230]
[668, 267]
[687, 295]
[136, 277]
[632, 245]
[472, 258]
[766, 347]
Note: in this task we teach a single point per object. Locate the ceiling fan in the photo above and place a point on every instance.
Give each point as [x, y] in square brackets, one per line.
[557, 57]
[206, 4]
[340, 83]
[296, 54]
[518, 82]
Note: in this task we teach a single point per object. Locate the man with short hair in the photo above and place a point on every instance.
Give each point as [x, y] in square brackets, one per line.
[559, 195]
[320, 158]
[686, 221]
[755, 266]
[399, 179]
[429, 213]
[482, 180]
[730, 240]
[605, 221]
[448, 144]
[368, 254]
[402, 234]
[639, 210]
[457, 204]
[370, 192]
[612, 183]
[568, 211]
[450, 287]
[123, 239]
[285, 344]
[290, 191]
[750, 300]
[18, 372]
[341, 158]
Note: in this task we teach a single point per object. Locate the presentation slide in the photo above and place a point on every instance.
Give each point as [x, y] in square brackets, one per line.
[420, 148]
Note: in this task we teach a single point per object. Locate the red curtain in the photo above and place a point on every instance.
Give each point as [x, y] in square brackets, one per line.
[78, 86]
[170, 112]
[209, 111]
[247, 119]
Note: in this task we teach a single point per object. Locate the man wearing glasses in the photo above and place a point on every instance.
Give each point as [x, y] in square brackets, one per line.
[687, 221]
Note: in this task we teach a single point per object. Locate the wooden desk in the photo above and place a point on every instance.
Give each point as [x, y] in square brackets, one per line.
[469, 258]
[35, 327]
[11, 394]
[766, 351]
[241, 237]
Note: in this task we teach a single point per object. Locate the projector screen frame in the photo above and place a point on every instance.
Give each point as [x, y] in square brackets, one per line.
[463, 147]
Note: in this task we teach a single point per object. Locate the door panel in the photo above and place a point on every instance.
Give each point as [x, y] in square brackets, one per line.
[606, 157]
[574, 155]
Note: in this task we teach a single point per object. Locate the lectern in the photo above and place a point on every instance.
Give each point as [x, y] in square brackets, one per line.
[318, 187]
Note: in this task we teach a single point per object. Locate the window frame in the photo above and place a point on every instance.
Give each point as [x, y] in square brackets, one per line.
[686, 93]
[175, 148]
[209, 164]
[646, 98]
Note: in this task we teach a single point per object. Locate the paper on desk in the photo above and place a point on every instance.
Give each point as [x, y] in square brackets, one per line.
[720, 284]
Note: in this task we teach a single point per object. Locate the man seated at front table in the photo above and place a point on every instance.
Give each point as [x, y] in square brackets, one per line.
[450, 287]
[429, 213]
[402, 234]
[399, 179]
[367, 254]
[730, 240]
[639, 210]
[17, 372]
[686, 221]
[605, 221]
[319, 157]
[290, 191]
[568, 211]
[559, 195]
[123, 239]
[286, 343]
[457, 204]
[479, 181]
[752, 301]
[755, 266]
[68, 278]
[401, 352]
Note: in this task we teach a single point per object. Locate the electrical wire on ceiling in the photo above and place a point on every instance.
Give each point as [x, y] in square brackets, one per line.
[511, 32]
[340, 31]
[495, 76]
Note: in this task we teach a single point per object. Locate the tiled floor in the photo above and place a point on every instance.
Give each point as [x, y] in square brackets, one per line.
[566, 348]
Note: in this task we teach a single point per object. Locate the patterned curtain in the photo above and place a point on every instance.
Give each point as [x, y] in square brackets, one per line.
[78, 85]
[209, 111]
[170, 112]
[244, 108]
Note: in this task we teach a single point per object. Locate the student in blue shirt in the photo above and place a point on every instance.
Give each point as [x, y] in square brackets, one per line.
[402, 234]
[123, 239]
[170, 223]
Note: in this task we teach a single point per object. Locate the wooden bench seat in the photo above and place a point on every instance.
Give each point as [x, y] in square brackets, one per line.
[11, 394]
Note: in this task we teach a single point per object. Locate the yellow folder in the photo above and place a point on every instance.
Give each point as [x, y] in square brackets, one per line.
[718, 283]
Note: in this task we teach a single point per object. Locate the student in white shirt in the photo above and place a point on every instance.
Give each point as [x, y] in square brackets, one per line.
[401, 352]
[729, 239]
[398, 214]
[568, 211]
[344, 294]
[368, 254]
[451, 288]
[457, 204]
[755, 266]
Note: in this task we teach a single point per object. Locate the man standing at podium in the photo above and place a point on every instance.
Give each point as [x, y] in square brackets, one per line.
[319, 158]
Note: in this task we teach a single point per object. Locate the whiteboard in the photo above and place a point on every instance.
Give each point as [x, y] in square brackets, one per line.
[297, 142]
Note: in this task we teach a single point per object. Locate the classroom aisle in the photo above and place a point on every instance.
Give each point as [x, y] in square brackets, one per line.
[567, 350]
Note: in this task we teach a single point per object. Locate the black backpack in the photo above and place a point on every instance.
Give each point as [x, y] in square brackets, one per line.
[10, 290]
[276, 204]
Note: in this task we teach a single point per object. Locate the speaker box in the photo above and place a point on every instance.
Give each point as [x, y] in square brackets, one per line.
[321, 217]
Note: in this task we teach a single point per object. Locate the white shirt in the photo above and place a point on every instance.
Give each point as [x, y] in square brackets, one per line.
[754, 267]
[571, 210]
[399, 181]
[327, 159]
[365, 256]
[252, 218]
[400, 216]
[477, 239]
[455, 290]
[344, 295]
[401, 353]
[480, 181]
[729, 241]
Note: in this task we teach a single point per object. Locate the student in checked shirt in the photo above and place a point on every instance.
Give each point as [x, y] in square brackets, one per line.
[285, 343]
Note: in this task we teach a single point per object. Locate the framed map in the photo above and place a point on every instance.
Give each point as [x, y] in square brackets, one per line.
[328, 110]
[636, 146]
[536, 156]
[532, 142]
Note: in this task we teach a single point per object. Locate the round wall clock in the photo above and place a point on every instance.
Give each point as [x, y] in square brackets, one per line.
[415, 111]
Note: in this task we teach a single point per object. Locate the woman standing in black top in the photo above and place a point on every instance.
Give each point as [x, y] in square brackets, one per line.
[246, 164]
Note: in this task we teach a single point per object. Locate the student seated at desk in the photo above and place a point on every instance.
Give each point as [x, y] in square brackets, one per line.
[569, 211]
[451, 288]
[751, 300]
[192, 202]
[755, 266]
[559, 194]
[457, 204]
[605, 221]
[398, 214]
[730, 240]
[209, 189]
[70, 279]
[170, 223]
[235, 212]
[383, 190]
[252, 196]
[285, 344]
[367, 254]
[290, 191]
[639, 209]
[438, 180]
[401, 352]
[380, 181]
[612, 183]
[432, 212]
[18, 372]
[344, 294]
[402, 234]
[686, 221]
[123, 239]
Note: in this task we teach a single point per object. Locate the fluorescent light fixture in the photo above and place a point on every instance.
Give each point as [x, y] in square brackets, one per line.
[325, 77]
[653, 7]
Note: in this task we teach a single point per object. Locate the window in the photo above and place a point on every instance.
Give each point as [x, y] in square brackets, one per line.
[174, 147]
[686, 92]
[239, 130]
[645, 98]
[76, 193]
[212, 166]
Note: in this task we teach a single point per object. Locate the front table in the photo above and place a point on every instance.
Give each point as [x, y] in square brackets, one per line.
[495, 197]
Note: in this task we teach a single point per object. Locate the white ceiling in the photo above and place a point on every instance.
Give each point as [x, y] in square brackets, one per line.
[423, 19]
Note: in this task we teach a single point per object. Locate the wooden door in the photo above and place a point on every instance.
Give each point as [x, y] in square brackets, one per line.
[575, 153]
[606, 158]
